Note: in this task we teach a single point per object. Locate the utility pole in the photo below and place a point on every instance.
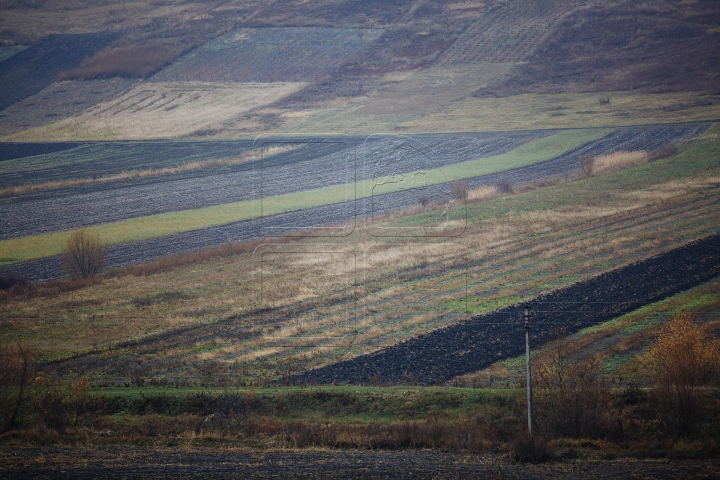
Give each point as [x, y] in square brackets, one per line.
[527, 367]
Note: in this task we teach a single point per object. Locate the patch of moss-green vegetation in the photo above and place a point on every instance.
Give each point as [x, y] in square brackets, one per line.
[338, 404]
[698, 157]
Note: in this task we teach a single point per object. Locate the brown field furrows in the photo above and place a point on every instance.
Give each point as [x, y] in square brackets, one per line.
[503, 35]
[376, 316]
[192, 460]
[58, 101]
[285, 54]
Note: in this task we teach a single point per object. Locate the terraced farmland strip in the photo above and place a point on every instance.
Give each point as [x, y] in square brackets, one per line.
[309, 166]
[503, 268]
[338, 214]
[473, 345]
[162, 110]
[427, 91]
[292, 54]
[36, 67]
[19, 249]
[504, 36]
[10, 151]
[83, 160]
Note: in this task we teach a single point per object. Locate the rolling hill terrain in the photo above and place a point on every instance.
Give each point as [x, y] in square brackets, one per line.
[362, 193]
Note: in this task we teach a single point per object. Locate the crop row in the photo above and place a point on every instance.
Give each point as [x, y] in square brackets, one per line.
[503, 36]
[270, 55]
[85, 160]
[400, 301]
[348, 213]
[312, 165]
[478, 343]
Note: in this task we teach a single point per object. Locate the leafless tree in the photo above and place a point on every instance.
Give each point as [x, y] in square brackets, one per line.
[17, 372]
[504, 186]
[84, 254]
[459, 189]
[587, 166]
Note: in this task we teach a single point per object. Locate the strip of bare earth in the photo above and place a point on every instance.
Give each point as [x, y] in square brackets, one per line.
[155, 226]
[129, 461]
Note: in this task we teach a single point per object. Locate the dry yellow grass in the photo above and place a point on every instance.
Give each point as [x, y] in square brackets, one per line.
[482, 193]
[619, 160]
[153, 172]
[163, 110]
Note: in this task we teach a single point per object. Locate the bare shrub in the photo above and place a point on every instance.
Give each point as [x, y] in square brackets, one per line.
[482, 193]
[84, 255]
[586, 163]
[17, 286]
[683, 362]
[572, 397]
[504, 186]
[530, 449]
[459, 189]
[60, 407]
[17, 372]
[666, 151]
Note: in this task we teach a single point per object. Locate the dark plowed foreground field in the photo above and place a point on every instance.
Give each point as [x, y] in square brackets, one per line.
[476, 344]
[173, 462]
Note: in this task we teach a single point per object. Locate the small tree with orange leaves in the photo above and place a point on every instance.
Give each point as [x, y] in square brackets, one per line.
[684, 361]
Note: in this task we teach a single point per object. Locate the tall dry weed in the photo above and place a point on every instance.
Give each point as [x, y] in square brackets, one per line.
[614, 162]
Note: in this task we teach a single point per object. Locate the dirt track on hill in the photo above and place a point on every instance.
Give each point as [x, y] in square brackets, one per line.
[173, 462]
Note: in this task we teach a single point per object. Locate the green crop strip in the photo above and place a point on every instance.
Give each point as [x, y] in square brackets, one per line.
[154, 226]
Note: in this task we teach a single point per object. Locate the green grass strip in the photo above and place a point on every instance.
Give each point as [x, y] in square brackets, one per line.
[154, 226]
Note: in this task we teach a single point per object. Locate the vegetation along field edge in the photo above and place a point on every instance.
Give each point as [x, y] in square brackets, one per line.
[154, 226]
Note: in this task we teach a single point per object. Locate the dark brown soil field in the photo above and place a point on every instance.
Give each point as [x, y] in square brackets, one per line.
[211, 462]
[659, 47]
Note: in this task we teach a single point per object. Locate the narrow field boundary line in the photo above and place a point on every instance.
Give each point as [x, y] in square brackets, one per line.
[154, 226]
